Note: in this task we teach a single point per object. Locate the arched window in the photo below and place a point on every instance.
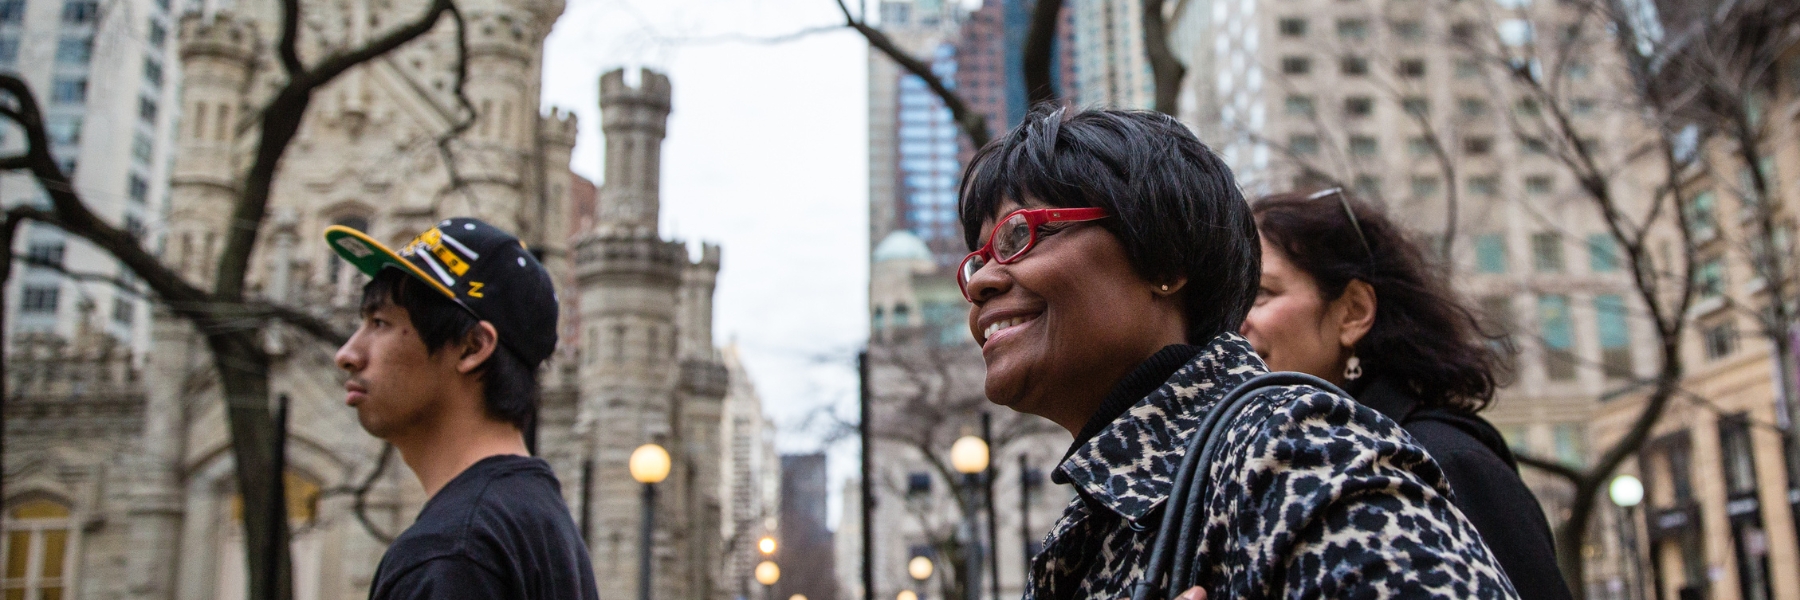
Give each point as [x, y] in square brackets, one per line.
[306, 550]
[37, 550]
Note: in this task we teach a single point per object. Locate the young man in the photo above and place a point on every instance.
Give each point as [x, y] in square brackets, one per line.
[444, 367]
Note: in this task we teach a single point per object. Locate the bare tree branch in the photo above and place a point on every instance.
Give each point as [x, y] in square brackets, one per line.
[973, 124]
[1165, 70]
[1040, 51]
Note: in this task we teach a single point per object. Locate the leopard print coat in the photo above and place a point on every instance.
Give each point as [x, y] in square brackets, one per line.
[1316, 496]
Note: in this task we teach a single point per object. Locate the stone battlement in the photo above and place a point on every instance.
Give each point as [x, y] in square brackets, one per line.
[507, 33]
[638, 255]
[652, 89]
[560, 127]
[222, 36]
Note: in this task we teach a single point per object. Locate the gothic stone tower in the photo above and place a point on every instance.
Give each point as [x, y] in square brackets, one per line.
[648, 371]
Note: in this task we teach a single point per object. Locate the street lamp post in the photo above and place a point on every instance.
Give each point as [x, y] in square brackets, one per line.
[1626, 493]
[969, 456]
[919, 568]
[649, 466]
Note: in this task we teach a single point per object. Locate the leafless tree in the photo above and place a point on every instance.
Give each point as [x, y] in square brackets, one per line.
[226, 316]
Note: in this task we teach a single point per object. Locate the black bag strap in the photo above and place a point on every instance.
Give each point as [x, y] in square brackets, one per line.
[1183, 521]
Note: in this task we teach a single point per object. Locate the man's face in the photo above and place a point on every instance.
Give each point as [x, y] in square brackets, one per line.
[394, 384]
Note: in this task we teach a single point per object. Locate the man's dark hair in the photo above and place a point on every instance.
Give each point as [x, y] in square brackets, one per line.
[509, 386]
[1174, 204]
[1423, 335]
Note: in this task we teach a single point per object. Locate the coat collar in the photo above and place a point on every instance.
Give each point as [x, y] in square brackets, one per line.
[1128, 467]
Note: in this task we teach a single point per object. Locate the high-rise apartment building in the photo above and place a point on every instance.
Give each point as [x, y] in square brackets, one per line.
[106, 76]
[1112, 68]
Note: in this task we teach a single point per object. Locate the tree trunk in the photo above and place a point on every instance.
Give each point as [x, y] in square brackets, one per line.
[244, 379]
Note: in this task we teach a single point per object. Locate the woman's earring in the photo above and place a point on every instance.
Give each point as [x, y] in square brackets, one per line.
[1165, 287]
[1352, 367]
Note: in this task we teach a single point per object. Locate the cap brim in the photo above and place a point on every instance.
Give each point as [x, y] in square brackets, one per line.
[370, 256]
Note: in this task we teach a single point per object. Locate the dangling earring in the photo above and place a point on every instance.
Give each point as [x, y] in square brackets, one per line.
[1352, 367]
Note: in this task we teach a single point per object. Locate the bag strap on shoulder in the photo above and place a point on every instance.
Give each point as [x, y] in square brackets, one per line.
[1182, 524]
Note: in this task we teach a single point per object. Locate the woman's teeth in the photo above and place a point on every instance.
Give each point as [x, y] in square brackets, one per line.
[996, 326]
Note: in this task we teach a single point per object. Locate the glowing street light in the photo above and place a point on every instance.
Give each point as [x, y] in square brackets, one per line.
[766, 545]
[1626, 491]
[767, 573]
[906, 595]
[969, 455]
[649, 465]
[919, 568]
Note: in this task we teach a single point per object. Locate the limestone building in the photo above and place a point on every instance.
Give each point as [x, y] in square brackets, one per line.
[119, 474]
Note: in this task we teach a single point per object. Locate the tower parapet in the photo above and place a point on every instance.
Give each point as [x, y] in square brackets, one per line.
[221, 36]
[634, 120]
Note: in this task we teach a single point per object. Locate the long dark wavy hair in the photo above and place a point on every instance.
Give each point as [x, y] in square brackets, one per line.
[1424, 336]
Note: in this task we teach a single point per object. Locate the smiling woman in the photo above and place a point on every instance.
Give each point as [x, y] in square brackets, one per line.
[1114, 258]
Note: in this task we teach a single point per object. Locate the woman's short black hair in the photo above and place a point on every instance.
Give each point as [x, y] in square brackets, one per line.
[1176, 207]
[509, 386]
[1423, 336]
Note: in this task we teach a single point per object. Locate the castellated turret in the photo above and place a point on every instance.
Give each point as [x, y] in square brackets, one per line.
[634, 120]
[218, 54]
[649, 372]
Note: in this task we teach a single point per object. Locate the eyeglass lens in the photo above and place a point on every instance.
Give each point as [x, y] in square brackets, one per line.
[1011, 238]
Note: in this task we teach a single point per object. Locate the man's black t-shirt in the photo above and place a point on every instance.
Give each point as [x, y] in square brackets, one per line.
[500, 529]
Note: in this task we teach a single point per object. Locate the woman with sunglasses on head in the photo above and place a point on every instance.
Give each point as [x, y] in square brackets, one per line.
[1114, 260]
[1347, 297]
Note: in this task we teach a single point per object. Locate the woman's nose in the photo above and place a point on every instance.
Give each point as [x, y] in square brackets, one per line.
[988, 281]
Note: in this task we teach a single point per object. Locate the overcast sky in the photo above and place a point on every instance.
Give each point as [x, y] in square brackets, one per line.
[765, 155]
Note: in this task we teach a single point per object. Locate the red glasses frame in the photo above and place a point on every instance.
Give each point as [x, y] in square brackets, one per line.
[1034, 218]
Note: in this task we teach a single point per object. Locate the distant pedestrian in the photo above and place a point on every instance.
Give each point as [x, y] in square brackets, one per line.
[444, 367]
[1114, 258]
[1347, 297]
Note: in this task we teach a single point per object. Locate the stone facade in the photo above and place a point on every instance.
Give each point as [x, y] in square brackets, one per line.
[118, 469]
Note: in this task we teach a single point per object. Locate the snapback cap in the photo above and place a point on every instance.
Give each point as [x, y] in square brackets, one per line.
[476, 265]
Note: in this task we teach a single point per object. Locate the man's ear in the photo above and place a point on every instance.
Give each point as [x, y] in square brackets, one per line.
[477, 347]
[1356, 309]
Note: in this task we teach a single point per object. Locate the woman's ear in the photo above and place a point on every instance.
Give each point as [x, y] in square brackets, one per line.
[1170, 287]
[1355, 312]
[477, 347]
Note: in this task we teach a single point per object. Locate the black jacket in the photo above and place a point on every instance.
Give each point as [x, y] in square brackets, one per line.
[1484, 483]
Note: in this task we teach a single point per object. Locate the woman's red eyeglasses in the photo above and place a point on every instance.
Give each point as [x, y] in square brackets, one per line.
[1014, 235]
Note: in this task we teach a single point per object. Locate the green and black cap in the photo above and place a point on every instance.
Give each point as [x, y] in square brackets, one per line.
[482, 268]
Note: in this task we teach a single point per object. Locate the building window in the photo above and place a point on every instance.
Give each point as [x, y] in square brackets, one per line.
[1569, 447]
[1736, 452]
[147, 109]
[1478, 146]
[1299, 106]
[1534, 145]
[1527, 108]
[1353, 29]
[1294, 28]
[153, 72]
[158, 34]
[1720, 340]
[73, 50]
[1579, 71]
[142, 149]
[1484, 185]
[1419, 146]
[877, 319]
[1467, 68]
[1463, 31]
[1296, 65]
[1701, 216]
[1359, 106]
[37, 550]
[1615, 336]
[1490, 253]
[1424, 186]
[1472, 107]
[123, 311]
[1363, 145]
[9, 50]
[49, 254]
[39, 299]
[76, 12]
[1411, 31]
[918, 483]
[1546, 252]
[1353, 66]
[68, 90]
[1540, 184]
[1558, 332]
[1711, 278]
[1582, 107]
[1603, 253]
[1367, 186]
[1497, 315]
[1412, 68]
[1303, 145]
[12, 11]
[64, 129]
[137, 188]
[1416, 106]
